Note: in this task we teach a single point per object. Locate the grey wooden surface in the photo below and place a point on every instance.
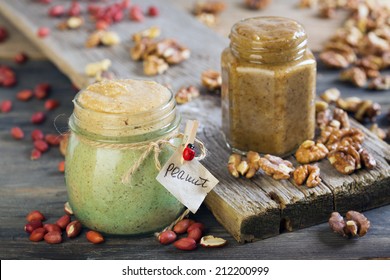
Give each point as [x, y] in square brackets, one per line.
[27, 185]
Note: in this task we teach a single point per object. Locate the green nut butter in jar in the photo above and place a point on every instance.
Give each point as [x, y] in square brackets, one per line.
[112, 125]
[268, 86]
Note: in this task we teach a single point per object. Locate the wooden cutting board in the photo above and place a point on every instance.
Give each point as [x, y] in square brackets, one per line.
[248, 209]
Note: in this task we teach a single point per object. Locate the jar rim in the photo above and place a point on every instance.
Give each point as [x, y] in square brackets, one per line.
[160, 108]
[268, 39]
[118, 125]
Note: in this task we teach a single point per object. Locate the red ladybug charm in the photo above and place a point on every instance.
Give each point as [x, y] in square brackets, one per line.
[189, 152]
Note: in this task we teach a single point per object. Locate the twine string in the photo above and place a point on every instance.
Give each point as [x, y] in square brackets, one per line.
[148, 147]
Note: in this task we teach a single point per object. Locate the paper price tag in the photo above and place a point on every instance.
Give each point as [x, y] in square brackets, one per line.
[188, 181]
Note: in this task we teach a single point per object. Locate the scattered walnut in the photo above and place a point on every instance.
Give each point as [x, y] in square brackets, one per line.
[327, 11]
[94, 39]
[306, 3]
[341, 116]
[348, 158]
[150, 33]
[244, 167]
[350, 104]
[380, 83]
[186, 94]
[211, 79]
[379, 132]
[364, 35]
[321, 106]
[309, 151]
[276, 167]
[154, 65]
[367, 160]
[157, 54]
[96, 69]
[209, 6]
[334, 60]
[102, 37]
[344, 159]
[334, 138]
[140, 49]
[253, 162]
[330, 95]
[361, 221]
[207, 11]
[207, 19]
[171, 51]
[257, 4]
[309, 174]
[362, 109]
[234, 161]
[355, 224]
[323, 118]
[337, 223]
[367, 109]
[355, 75]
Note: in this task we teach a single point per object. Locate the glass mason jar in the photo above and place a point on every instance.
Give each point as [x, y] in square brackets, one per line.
[105, 142]
[268, 86]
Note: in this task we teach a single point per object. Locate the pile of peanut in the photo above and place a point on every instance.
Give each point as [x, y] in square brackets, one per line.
[194, 231]
[52, 232]
[362, 46]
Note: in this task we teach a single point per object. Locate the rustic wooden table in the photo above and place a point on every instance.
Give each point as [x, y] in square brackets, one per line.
[27, 185]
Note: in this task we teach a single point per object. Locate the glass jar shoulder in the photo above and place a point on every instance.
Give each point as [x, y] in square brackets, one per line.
[229, 60]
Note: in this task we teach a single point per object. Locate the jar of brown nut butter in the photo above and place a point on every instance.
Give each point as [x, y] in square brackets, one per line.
[268, 86]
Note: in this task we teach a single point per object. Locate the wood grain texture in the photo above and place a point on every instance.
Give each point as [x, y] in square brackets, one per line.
[27, 185]
[16, 43]
[245, 206]
[66, 48]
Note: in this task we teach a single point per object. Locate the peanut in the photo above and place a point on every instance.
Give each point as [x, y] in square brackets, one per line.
[167, 237]
[35, 216]
[181, 226]
[73, 229]
[53, 237]
[37, 235]
[186, 244]
[195, 234]
[63, 221]
[94, 237]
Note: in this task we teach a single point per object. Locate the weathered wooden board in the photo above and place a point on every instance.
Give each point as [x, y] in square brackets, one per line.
[66, 48]
[28, 185]
[16, 43]
[247, 207]
[249, 210]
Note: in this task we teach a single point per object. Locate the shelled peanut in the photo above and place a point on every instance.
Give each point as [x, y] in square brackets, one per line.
[52, 233]
[194, 231]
